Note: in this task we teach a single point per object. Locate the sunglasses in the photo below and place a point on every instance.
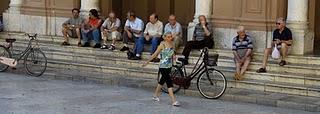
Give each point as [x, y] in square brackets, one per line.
[278, 23]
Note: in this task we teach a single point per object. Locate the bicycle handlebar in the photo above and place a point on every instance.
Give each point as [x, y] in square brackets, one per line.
[34, 36]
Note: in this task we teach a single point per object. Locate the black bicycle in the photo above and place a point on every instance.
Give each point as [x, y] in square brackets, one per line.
[35, 61]
[211, 82]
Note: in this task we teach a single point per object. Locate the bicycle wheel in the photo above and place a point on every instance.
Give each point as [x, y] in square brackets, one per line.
[175, 72]
[211, 84]
[4, 52]
[35, 62]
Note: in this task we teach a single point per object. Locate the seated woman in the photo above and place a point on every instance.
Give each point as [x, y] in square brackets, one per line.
[90, 29]
[242, 50]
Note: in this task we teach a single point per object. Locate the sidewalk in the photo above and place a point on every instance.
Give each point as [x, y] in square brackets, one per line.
[21, 94]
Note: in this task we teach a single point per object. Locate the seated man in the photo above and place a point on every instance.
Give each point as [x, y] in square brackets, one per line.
[282, 37]
[202, 37]
[71, 28]
[175, 28]
[153, 32]
[110, 30]
[90, 29]
[133, 29]
[242, 50]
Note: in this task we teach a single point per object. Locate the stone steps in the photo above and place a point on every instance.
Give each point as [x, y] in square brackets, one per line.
[297, 59]
[251, 81]
[293, 68]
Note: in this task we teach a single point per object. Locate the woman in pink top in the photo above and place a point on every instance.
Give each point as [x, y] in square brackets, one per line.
[90, 29]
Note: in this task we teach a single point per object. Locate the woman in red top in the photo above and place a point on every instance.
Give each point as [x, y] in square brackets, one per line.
[90, 29]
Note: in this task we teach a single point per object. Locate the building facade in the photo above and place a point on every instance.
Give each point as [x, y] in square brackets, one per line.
[258, 16]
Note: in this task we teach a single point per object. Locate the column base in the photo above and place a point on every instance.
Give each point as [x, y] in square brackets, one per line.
[303, 38]
[26, 23]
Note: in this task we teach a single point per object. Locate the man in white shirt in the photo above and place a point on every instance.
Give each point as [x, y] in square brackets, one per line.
[175, 28]
[153, 32]
[133, 30]
[110, 30]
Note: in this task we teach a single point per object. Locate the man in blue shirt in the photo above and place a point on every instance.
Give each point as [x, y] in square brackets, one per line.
[133, 30]
[176, 30]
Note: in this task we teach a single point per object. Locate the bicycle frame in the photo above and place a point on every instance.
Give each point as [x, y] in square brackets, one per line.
[23, 53]
[196, 70]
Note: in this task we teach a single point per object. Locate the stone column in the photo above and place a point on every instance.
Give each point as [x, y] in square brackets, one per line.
[297, 21]
[15, 6]
[202, 7]
[87, 5]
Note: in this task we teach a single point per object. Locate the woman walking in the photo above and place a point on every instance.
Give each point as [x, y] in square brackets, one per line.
[166, 51]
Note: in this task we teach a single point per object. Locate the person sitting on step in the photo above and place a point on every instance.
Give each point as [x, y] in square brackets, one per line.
[242, 47]
[91, 29]
[175, 28]
[133, 29]
[153, 33]
[110, 30]
[282, 38]
[202, 37]
[71, 27]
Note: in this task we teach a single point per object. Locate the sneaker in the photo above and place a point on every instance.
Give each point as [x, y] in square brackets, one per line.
[112, 47]
[176, 103]
[136, 58]
[65, 44]
[104, 47]
[124, 48]
[156, 99]
[261, 70]
[282, 63]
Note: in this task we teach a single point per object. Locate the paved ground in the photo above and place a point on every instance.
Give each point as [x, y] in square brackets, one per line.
[21, 94]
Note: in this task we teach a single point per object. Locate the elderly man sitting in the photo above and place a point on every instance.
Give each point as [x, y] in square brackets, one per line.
[282, 38]
[110, 30]
[242, 50]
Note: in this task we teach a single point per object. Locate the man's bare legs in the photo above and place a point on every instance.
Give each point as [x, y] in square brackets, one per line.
[244, 67]
[79, 36]
[266, 54]
[65, 34]
[284, 54]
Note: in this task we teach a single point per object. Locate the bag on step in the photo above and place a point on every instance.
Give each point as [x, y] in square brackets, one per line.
[275, 53]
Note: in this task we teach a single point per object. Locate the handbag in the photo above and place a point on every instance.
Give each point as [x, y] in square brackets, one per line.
[275, 53]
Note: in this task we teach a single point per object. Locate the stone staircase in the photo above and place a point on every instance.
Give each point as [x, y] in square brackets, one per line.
[296, 85]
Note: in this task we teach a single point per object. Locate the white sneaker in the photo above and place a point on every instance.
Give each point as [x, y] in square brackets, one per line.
[156, 99]
[176, 104]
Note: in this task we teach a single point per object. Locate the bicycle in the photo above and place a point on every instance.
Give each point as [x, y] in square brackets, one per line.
[35, 61]
[211, 82]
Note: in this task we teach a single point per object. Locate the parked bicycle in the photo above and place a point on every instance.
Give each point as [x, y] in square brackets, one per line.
[35, 61]
[211, 82]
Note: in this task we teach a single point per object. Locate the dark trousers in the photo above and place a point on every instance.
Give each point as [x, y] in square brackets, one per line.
[207, 42]
[165, 72]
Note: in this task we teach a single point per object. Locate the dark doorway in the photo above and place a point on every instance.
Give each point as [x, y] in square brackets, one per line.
[317, 28]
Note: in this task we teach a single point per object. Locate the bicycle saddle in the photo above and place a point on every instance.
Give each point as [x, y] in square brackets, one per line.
[10, 40]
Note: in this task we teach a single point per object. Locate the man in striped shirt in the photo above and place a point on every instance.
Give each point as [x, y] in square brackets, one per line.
[242, 50]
